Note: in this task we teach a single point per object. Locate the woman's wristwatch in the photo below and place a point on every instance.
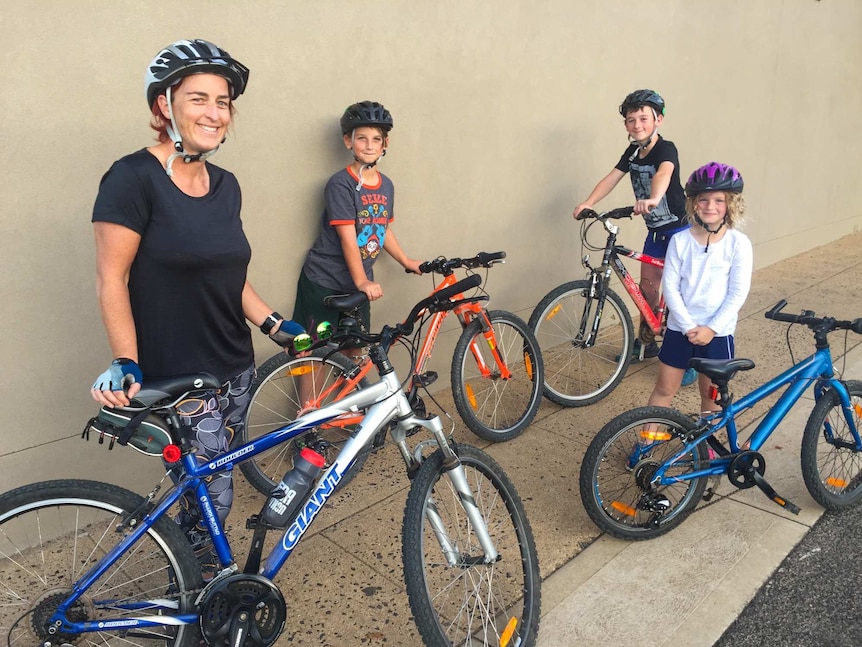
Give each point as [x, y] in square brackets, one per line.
[270, 322]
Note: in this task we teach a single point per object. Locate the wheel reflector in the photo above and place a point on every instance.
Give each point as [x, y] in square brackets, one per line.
[655, 435]
[625, 509]
[506, 636]
[468, 390]
[553, 313]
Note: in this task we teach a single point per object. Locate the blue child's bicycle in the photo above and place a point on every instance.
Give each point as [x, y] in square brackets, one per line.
[646, 470]
[88, 563]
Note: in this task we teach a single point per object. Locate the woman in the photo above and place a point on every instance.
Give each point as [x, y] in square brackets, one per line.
[172, 257]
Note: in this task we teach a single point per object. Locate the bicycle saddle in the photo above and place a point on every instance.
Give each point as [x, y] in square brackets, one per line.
[345, 302]
[172, 387]
[720, 370]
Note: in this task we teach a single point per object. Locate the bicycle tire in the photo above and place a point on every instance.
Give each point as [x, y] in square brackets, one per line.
[53, 532]
[473, 603]
[275, 401]
[576, 376]
[833, 475]
[495, 409]
[613, 478]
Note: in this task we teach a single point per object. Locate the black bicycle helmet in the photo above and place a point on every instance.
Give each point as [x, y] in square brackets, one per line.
[366, 113]
[186, 57]
[714, 177]
[640, 98]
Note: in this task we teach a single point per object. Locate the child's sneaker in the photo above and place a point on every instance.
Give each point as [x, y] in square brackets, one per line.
[689, 377]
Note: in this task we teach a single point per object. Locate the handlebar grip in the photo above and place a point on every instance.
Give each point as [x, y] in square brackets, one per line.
[622, 212]
[485, 258]
[772, 313]
[856, 326]
[586, 213]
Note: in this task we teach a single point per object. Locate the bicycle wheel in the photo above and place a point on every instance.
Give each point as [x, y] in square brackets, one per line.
[576, 375]
[284, 385]
[52, 533]
[494, 408]
[472, 603]
[620, 463]
[832, 469]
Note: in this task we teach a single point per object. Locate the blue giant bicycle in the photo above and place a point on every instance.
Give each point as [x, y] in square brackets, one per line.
[89, 563]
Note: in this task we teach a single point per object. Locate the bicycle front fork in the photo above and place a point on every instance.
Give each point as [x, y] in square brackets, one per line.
[454, 471]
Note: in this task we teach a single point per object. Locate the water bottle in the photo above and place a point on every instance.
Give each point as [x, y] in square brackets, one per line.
[282, 504]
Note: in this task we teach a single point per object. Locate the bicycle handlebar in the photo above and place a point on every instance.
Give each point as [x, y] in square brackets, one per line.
[443, 265]
[621, 212]
[436, 302]
[807, 318]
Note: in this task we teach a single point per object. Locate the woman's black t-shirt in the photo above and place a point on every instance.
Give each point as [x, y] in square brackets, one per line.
[187, 278]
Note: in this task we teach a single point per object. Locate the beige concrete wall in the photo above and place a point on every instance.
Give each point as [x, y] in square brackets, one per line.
[505, 117]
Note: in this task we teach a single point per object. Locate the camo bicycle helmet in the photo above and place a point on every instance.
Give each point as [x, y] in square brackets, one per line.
[366, 113]
[640, 98]
[197, 56]
[714, 177]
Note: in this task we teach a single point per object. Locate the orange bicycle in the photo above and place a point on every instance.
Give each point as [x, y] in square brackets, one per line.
[584, 328]
[496, 378]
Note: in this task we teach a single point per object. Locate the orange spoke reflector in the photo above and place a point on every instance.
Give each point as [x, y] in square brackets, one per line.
[553, 313]
[655, 435]
[619, 506]
[301, 370]
[468, 390]
[528, 364]
[858, 409]
[834, 481]
[508, 632]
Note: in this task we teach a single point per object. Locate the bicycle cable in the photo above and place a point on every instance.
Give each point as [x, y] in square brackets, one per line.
[585, 243]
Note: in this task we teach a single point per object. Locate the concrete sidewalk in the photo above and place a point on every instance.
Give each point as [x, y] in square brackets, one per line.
[344, 583]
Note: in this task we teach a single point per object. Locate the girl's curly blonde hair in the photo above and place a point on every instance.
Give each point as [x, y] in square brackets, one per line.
[735, 209]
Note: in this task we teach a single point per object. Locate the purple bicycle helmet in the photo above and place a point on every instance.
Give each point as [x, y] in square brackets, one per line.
[366, 113]
[640, 98]
[714, 177]
[197, 56]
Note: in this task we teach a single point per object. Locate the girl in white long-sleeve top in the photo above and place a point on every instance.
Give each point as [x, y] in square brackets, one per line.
[707, 275]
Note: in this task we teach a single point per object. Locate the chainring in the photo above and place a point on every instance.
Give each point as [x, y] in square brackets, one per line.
[739, 471]
[242, 605]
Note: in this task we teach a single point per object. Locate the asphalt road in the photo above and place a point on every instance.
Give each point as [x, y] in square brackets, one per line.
[813, 599]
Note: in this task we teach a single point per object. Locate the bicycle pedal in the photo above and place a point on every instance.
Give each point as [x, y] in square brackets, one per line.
[426, 379]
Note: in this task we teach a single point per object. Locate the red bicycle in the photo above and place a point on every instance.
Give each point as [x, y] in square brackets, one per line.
[584, 328]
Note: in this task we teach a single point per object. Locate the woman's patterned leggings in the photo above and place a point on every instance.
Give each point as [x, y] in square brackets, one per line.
[214, 419]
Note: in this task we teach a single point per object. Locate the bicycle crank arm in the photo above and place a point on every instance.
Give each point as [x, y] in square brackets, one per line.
[767, 489]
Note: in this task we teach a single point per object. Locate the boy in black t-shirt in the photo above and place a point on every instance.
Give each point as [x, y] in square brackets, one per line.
[652, 163]
[356, 222]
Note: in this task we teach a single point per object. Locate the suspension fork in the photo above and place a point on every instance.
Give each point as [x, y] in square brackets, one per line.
[491, 340]
[596, 293]
[454, 471]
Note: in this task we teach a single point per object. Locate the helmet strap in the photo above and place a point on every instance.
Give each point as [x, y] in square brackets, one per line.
[710, 232]
[362, 166]
[174, 134]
